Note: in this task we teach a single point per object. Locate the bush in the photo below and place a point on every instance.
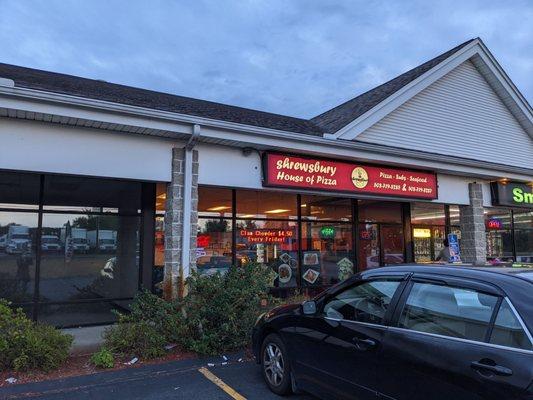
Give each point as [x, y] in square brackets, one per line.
[140, 339]
[26, 345]
[220, 310]
[103, 359]
[152, 323]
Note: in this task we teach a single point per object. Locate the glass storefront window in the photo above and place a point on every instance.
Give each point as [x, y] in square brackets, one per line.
[18, 231]
[327, 253]
[427, 214]
[272, 243]
[19, 191]
[523, 224]
[380, 211]
[499, 235]
[455, 215]
[88, 257]
[83, 194]
[214, 202]
[324, 208]
[214, 246]
[270, 205]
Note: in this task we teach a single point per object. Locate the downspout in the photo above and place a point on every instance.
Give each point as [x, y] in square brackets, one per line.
[187, 209]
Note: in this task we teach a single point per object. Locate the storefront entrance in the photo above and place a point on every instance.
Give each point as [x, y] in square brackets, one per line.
[380, 244]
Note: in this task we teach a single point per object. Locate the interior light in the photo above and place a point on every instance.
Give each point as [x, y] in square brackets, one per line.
[421, 233]
[162, 196]
[303, 205]
[277, 211]
[218, 208]
[246, 216]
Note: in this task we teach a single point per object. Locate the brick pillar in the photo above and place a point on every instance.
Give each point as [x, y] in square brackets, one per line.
[473, 237]
[175, 273]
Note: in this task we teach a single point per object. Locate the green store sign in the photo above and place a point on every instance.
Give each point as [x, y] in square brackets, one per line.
[327, 232]
[512, 194]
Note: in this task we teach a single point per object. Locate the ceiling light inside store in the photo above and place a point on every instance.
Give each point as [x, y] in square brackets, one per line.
[162, 196]
[277, 211]
[218, 208]
[246, 216]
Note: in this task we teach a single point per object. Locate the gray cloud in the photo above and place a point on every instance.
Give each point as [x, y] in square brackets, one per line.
[291, 57]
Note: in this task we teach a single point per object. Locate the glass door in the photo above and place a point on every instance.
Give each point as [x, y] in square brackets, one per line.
[392, 244]
[369, 249]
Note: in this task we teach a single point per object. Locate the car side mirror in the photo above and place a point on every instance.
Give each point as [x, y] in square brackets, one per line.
[309, 307]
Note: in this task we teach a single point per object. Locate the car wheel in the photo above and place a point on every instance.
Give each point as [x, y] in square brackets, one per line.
[275, 365]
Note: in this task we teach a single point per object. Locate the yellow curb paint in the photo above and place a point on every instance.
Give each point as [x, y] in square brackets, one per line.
[217, 381]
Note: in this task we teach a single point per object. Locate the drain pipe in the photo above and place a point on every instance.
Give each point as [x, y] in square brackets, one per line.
[187, 209]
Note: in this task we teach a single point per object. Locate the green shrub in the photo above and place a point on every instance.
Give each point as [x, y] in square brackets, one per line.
[220, 310]
[103, 359]
[151, 324]
[26, 345]
[140, 339]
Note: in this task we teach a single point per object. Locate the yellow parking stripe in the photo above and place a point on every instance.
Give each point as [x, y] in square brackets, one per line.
[217, 381]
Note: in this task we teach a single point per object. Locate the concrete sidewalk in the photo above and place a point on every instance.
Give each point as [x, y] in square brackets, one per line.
[86, 339]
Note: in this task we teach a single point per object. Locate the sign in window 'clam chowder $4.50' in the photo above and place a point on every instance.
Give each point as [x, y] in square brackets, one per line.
[317, 174]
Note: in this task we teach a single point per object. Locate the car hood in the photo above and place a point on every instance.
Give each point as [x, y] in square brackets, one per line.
[281, 310]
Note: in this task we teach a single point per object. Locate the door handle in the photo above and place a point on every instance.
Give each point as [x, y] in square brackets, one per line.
[495, 369]
[364, 344]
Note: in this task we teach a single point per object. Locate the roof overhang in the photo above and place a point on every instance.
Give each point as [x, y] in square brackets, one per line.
[30, 104]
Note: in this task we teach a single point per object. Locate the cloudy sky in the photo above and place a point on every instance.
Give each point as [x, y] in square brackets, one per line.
[290, 57]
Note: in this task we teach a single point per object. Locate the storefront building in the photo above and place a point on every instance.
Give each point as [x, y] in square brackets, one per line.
[107, 189]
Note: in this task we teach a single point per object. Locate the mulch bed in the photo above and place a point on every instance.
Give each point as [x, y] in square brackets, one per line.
[81, 365]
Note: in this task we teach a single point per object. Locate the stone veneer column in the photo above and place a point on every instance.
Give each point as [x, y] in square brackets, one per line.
[473, 236]
[175, 271]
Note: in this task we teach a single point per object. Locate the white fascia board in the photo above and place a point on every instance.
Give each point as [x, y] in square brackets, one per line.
[372, 153]
[374, 115]
[510, 88]
[97, 110]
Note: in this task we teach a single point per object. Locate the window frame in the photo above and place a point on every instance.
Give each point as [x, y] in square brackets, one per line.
[402, 279]
[463, 283]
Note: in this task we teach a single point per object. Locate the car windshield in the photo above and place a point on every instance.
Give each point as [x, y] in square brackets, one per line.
[19, 236]
[50, 240]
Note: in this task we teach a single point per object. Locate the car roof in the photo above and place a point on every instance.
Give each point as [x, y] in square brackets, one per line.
[511, 280]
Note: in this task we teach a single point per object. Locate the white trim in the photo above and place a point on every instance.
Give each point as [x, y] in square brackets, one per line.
[378, 112]
[165, 123]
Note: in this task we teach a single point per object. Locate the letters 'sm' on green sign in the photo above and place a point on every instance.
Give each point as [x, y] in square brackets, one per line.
[512, 194]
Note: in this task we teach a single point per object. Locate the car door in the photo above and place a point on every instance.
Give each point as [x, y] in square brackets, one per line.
[439, 345]
[337, 350]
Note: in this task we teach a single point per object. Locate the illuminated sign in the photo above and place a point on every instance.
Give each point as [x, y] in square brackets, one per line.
[203, 241]
[266, 235]
[421, 232]
[513, 194]
[494, 223]
[327, 232]
[317, 174]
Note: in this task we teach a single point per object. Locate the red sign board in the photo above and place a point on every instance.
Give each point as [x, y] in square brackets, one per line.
[317, 174]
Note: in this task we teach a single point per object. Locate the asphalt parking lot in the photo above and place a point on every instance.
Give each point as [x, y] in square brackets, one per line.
[174, 380]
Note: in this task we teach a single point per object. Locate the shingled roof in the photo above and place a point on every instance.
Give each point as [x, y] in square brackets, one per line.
[336, 118]
[328, 122]
[101, 90]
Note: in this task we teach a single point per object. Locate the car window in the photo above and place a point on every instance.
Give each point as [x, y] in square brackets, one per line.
[508, 331]
[448, 311]
[365, 302]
